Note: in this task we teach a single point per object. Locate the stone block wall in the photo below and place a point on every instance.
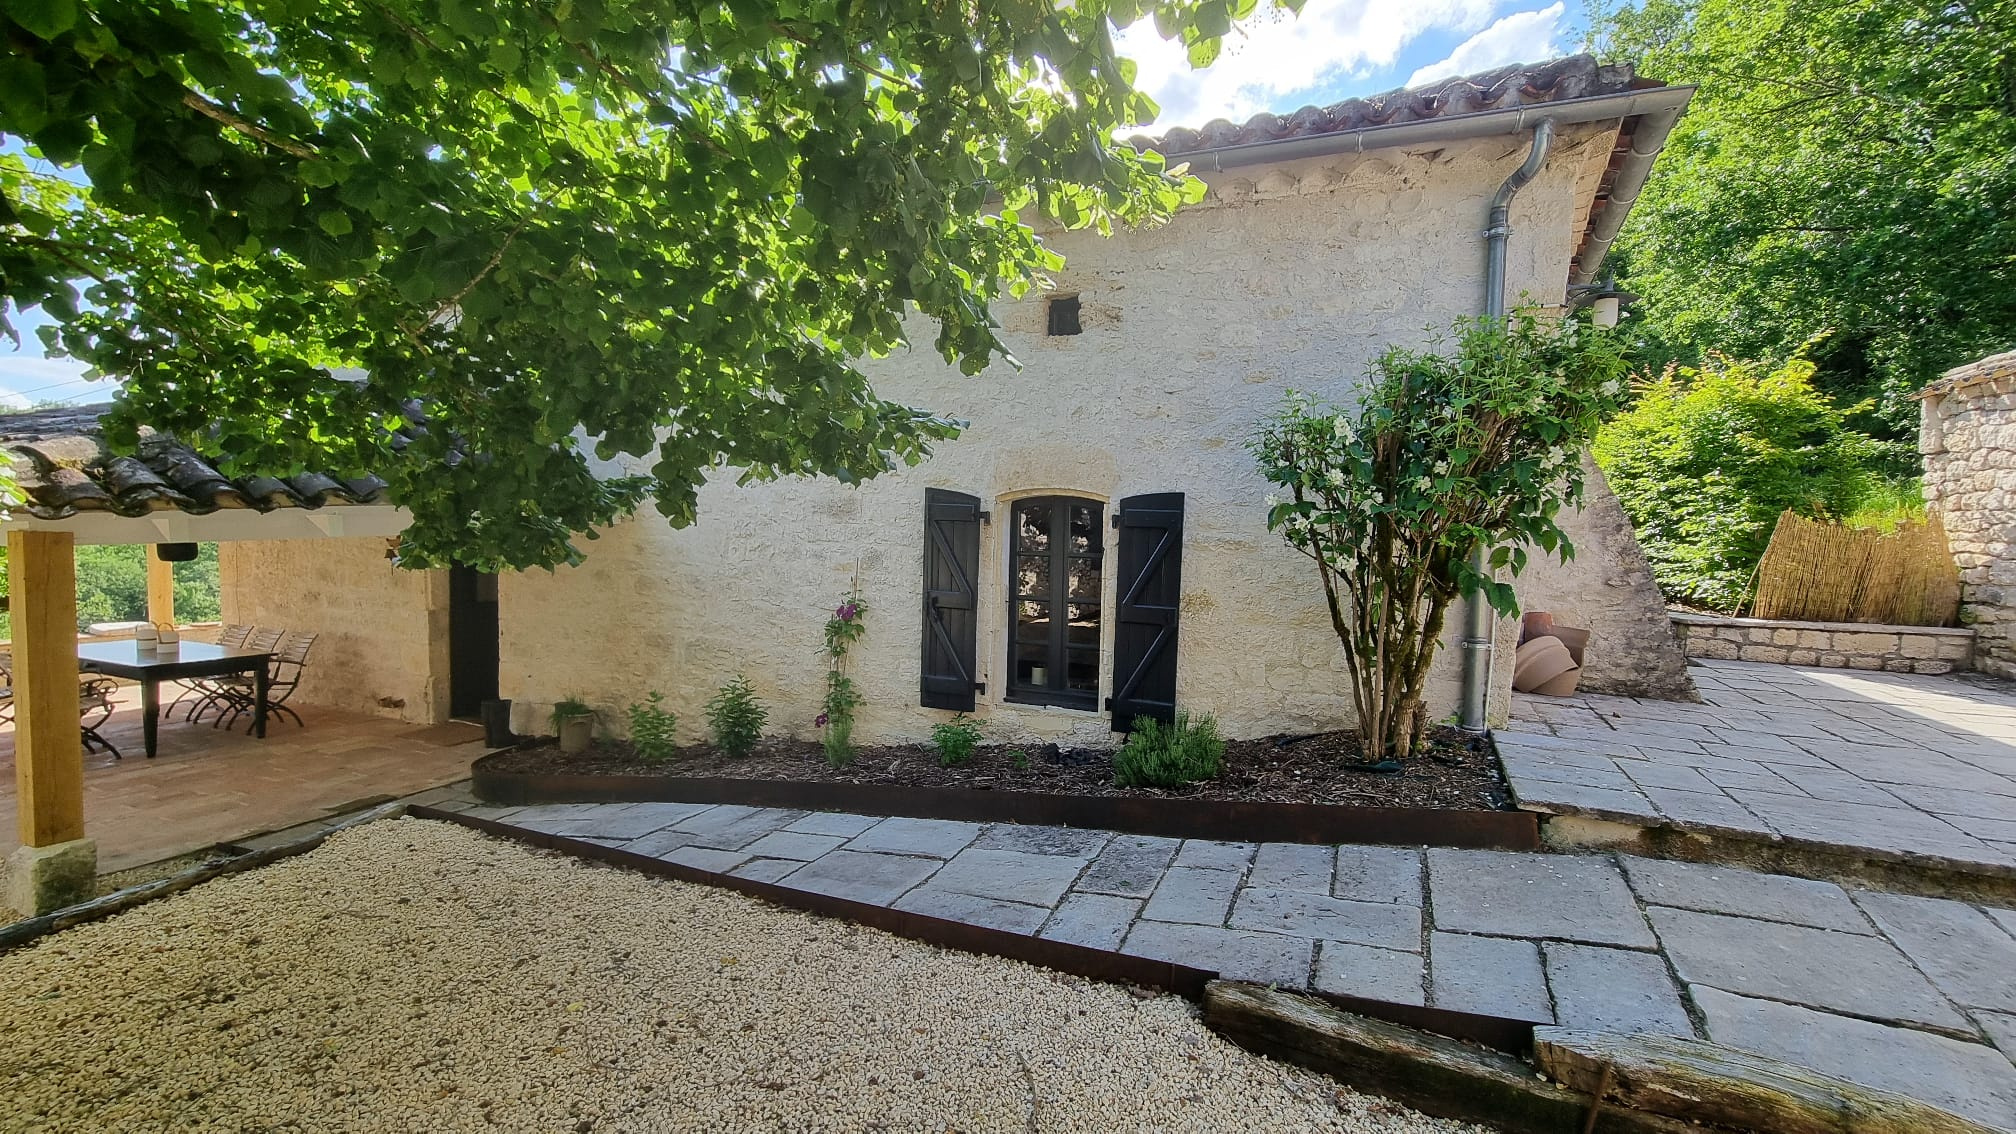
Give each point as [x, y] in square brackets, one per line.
[1608, 590]
[1967, 434]
[1837, 645]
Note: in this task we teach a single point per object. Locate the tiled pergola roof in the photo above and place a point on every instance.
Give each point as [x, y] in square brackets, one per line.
[64, 467]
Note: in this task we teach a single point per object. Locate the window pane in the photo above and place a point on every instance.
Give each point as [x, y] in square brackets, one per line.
[1032, 622]
[1032, 575]
[1081, 671]
[1084, 628]
[1032, 665]
[1084, 528]
[1032, 527]
[1084, 578]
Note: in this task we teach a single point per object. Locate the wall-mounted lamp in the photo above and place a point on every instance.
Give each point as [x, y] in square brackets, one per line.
[1605, 298]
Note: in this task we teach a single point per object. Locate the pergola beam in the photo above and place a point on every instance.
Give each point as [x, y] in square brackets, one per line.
[55, 864]
[160, 589]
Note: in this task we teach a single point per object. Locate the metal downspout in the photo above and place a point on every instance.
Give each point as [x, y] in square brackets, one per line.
[1477, 630]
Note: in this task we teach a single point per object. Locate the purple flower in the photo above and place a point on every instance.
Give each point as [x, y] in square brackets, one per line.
[819, 721]
[847, 611]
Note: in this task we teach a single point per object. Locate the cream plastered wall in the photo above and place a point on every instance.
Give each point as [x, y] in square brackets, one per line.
[1288, 277]
[383, 632]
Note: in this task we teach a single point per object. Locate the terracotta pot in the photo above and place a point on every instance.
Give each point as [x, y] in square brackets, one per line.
[1536, 624]
[1562, 686]
[1538, 662]
[575, 733]
[1575, 638]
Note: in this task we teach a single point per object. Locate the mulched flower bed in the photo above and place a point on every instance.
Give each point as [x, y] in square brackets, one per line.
[1457, 772]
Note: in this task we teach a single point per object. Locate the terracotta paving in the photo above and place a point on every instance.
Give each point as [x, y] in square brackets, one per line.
[209, 786]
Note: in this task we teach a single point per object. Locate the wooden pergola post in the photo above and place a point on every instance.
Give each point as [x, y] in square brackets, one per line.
[160, 589]
[56, 865]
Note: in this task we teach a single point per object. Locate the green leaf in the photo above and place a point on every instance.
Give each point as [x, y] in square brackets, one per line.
[45, 18]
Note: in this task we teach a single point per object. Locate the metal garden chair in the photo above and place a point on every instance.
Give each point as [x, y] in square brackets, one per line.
[283, 677]
[231, 636]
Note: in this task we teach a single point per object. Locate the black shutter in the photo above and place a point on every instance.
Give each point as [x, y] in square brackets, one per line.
[951, 599]
[1151, 592]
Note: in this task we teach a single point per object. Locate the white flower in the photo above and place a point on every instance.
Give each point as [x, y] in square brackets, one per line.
[1422, 484]
[1273, 501]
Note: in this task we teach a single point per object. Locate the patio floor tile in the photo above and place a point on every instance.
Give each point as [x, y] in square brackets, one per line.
[1844, 972]
[1570, 897]
[1614, 990]
[1375, 974]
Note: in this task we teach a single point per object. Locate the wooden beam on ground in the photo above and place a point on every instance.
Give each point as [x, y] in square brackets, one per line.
[48, 748]
[160, 590]
[1440, 1076]
[1709, 1083]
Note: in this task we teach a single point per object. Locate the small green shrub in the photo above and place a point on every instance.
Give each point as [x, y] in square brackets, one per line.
[1171, 755]
[955, 740]
[736, 717]
[569, 708]
[1018, 760]
[653, 729]
[1888, 504]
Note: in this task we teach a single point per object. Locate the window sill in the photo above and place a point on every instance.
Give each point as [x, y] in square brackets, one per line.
[1042, 701]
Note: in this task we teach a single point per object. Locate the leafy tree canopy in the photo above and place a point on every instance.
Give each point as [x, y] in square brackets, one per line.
[565, 230]
[1847, 166]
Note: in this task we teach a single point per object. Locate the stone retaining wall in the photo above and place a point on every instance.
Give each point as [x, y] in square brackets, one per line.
[1840, 645]
[1967, 433]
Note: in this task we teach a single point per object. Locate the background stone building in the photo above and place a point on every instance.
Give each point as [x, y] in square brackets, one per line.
[1967, 434]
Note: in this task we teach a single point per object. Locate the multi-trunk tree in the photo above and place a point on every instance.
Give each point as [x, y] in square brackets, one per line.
[664, 230]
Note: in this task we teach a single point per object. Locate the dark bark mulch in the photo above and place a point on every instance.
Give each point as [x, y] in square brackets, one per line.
[1458, 771]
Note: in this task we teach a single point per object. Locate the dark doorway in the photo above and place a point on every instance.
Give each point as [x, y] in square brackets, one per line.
[472, 641]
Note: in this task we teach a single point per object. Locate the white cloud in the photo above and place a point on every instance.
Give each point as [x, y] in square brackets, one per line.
[1277, 53]
[1522, 37]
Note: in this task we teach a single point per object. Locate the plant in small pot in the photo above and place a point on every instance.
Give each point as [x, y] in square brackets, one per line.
[574, 724]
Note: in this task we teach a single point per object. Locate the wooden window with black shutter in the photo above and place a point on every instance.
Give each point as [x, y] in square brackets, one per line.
[1150, 589]
[1056, 556]
[951, 599]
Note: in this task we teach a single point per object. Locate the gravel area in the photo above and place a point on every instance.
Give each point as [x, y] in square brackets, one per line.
[412, 975]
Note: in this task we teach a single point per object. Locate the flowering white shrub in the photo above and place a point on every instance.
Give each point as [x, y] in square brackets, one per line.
[1477, 441]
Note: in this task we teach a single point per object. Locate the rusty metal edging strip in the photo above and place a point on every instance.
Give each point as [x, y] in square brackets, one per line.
[1500, 1033]
[1080, 960]
[1315, 823]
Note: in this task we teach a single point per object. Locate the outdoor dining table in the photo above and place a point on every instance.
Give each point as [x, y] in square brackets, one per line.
[173, 662]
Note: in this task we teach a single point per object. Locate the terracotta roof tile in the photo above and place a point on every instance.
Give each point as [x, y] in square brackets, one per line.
[1521, 84]
[64, 466]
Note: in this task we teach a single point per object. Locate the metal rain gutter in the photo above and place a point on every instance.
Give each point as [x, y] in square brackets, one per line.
[1646, 142]
[1477, 628]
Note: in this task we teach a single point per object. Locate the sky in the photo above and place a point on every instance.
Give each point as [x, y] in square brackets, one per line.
[1276, 61]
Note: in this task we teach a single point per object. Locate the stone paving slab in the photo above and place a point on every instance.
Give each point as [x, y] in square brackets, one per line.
[1614, 990]
[1966, 1078]
[1376, 974]
[1867, 976]
[1970, 958]
[1880, 765]
[1130, 865]
[1492, 976]
[1746, 893]
[1569, 897]
[1792, 967]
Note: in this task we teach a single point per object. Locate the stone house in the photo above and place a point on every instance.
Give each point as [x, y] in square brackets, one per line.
[1095, 545]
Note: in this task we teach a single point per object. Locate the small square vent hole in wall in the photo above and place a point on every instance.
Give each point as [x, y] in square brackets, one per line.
[1063, 315]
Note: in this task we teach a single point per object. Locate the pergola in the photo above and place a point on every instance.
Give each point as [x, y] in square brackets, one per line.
[78, 490]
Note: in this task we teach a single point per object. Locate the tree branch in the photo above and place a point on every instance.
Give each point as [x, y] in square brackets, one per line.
[252, 130]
